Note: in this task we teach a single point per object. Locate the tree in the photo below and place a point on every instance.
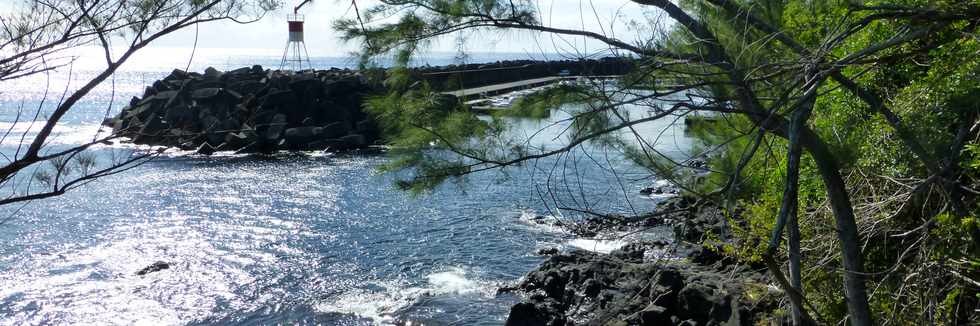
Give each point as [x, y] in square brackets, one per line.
[41, 38]
[789, 80]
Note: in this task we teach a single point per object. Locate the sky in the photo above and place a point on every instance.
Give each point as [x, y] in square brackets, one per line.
[270, 32]
[622, 19]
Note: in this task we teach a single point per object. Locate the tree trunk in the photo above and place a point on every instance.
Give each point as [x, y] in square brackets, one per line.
[795, 278]
[792, 200]
[789, 209]
[840, 202]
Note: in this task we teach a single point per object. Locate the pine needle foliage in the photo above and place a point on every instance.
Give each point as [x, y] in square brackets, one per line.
[883, 93]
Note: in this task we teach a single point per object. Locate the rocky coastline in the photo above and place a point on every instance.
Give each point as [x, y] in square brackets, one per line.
[650, 283]
[257, 110]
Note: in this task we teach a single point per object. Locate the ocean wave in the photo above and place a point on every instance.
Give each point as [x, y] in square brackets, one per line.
[668, 188]
[603, 246]
[546, 223]
[382, 306]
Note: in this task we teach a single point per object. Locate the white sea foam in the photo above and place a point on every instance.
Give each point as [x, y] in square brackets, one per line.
[380, 306]
[597, 245]
[547, 223]
[454, 281]
[666, 185]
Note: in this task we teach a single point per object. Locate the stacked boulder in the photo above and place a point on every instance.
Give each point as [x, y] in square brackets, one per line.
[251, 110]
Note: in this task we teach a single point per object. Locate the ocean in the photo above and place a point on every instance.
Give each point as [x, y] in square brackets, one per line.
[293, 238]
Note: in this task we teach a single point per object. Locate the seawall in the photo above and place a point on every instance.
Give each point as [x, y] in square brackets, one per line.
[254, 109]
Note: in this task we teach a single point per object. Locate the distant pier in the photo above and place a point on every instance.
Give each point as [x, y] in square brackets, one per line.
[497, 89]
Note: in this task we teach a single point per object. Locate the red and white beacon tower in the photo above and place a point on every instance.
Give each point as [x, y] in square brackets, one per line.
[296, 57]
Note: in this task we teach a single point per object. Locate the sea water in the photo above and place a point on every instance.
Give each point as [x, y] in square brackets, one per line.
[291, 238]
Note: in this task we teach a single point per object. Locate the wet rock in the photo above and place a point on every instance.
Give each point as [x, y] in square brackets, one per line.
[176, 74]
[206, 149]
[367, 126]
[279, 98]
[188, 110]
[328, 144]
[236, 140]
[664, 189]
[592, 226]
[171, 108]
[698, 163]
[300, 135]
[702, 255]
[205, 93]
[354, 141]
[626, 287]
[654, 315]
[547, 251]
[704, 222]
[240, 71]
[155, 267]
[210, 72]
[334, 130]
[527, 314]
[275, 128]
[588, 288]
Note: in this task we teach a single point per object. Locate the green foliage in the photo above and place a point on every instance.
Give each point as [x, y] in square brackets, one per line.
[435, 138]
[418, 122]
[973, 157]
[933, 89]
[931, 84]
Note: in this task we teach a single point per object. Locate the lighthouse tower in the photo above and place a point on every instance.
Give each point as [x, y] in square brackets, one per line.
[295, 57]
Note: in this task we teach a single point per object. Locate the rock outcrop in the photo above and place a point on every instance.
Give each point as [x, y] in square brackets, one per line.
[250, 110]
[584, 288]
[641, 285]
[155, 267]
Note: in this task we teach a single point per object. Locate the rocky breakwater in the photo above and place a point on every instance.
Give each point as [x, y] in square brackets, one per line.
[251, 110]
[453, 77]
[651, 283]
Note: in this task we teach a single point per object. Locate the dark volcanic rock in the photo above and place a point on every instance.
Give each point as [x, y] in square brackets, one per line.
[634, 286]
[586, 288]
[300, 135]
[181, 109]
[155, 267]
[660, 190]
[548, 251]
[251, 110]
[528, 314]
[700, 222]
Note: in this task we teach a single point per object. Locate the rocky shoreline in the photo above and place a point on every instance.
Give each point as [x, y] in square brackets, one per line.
[255, 110]
[650, 283]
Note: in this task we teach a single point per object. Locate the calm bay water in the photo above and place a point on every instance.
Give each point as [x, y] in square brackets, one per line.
[292, 238]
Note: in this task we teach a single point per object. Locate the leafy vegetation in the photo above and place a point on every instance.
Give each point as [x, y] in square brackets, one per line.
[852, 124]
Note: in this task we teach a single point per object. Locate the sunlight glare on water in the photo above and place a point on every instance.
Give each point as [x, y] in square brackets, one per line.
[290, 238]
